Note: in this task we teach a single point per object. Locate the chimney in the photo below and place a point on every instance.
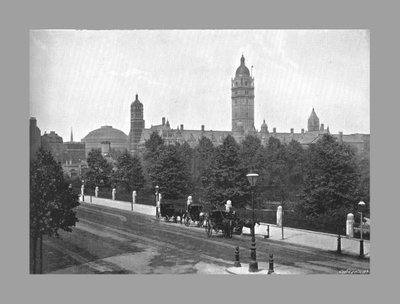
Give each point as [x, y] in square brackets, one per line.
[302, 131]
[322, 127]
[340, 137]
[291, 130]
[181, 127]
[274, 131]
[33, 122]
[202, 127]
[163, 121]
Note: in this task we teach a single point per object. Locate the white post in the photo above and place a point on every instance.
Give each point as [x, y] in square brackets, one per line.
[113, 194]
[133, 199]
[279, 216]
[350, 225]
[83, 193]
[96, 191]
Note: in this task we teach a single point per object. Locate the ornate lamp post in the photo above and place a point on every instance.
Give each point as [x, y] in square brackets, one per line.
[157, 199]
[253, 265]
[361, 207]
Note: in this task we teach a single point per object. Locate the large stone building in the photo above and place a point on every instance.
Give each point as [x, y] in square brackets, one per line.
[54, 143]
[242, 98]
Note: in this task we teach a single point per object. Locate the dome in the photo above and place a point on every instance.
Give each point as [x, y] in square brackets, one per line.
[242, 70]
[118, 139]
[106, 133]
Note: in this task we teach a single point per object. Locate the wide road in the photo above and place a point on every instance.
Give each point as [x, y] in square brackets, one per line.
[109, 240]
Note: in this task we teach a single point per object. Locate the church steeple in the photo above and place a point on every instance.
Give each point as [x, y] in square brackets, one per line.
[72, 136]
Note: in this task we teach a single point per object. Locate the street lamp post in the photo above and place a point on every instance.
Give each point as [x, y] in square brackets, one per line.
[253, 265]
[361, 206]
[157, 196]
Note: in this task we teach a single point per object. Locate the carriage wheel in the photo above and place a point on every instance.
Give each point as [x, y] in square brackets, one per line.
[187, 221]
[208, 229]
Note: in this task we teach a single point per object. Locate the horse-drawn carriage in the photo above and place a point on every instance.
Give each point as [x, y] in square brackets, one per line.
[195, 214]
[219, 220]
[168, 211]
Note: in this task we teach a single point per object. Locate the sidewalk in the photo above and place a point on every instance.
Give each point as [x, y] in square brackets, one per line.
[144, 209]
[319, 240]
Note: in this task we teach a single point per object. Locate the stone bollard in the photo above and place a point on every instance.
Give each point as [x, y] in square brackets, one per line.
[279, 216]
[96, 191]
[237, 262]
[339, 242]
[133, 199]
[113, 194]
[271, 264]
[350, 225]
[267, 235]
[83, 193]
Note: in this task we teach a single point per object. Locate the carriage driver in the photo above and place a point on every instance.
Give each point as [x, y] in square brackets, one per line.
[189, 202]
[228, 206]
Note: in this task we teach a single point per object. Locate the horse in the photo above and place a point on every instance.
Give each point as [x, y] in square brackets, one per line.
[248, 223]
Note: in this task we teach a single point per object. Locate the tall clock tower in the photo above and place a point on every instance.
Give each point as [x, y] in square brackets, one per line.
[137, 124]
[242, 99]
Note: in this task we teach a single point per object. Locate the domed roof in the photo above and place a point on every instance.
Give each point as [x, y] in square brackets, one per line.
[106, 133]
[242, 70]
[313, 117]
[137, 102]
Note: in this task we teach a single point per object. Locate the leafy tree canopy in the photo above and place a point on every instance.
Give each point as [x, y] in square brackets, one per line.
[225, 177]
[52, 203]
[331, 180]
[170, 173]
[99, 170]
[128, 172]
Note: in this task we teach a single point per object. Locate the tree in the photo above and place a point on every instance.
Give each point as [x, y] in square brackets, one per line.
[51, 201]
[203, 154]
[152, 145]
[170, 173]
[225, 177]
[275, 171]
[330, 189]
[129, 173]
[150, 156]
[99, 170]
[295, 168]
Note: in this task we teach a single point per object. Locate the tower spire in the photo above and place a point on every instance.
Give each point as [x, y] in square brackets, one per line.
[72, 136]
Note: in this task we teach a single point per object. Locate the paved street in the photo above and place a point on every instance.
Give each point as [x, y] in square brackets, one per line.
[109, 240]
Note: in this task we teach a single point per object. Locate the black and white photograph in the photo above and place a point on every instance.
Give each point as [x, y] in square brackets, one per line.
[199, 151]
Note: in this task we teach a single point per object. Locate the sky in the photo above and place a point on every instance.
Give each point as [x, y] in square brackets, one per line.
[85, 79]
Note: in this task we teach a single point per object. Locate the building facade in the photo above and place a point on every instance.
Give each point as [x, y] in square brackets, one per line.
[242, 99]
